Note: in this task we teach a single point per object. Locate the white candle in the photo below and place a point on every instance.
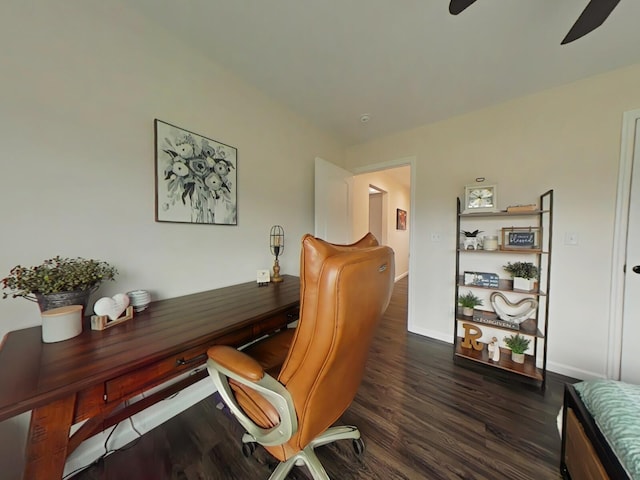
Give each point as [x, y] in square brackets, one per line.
[61, 323]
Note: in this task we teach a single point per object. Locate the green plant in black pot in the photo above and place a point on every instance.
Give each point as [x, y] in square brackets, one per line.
[468, 302]
[57, 281]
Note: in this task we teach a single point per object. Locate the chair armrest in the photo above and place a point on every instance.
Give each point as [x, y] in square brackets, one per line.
[226, 363]
[237, 362]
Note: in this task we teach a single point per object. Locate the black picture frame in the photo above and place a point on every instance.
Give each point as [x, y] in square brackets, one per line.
[195, 177]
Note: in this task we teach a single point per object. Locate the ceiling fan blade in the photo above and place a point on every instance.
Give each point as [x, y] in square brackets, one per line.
[594, 15]
[457, 6]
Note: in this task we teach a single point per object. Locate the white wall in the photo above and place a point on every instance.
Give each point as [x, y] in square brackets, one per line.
[82, 81]
[566, 138]
[397, 196]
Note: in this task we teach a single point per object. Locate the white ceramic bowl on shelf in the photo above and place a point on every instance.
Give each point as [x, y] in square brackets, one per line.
[140, 299]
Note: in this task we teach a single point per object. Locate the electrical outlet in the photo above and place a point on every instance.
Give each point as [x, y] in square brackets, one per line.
[435, 237]
[571, 238]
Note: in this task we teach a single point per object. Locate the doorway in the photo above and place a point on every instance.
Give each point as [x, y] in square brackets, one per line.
[378, 197]
[342, 208]
[376, 200]
[623, 362]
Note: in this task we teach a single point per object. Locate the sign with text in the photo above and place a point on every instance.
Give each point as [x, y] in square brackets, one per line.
[514, 238]
[481, 279]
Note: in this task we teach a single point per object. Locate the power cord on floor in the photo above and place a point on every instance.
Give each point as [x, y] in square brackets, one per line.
[97, 460]
[106, 442]
[107, 451]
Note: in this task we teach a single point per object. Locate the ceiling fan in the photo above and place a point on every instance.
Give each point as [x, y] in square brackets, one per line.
[594, 15]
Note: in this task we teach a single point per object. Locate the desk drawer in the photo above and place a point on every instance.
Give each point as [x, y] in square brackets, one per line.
[144, 378]
[125, 386]
[274, 323]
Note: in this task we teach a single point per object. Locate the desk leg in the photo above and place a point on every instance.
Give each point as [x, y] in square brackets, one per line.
[48, 439]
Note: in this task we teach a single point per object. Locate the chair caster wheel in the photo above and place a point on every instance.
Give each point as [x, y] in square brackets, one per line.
[358, 446]
[248, 449]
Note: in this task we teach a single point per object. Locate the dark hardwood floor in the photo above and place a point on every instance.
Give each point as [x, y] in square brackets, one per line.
[420, 415]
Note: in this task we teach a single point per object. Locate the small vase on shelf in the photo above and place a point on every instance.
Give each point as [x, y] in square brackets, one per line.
[517, 357]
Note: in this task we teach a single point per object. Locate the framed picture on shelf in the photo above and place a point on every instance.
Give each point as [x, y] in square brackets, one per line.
[401, 219]
[481, 279]
[521, 238]
[195, 178]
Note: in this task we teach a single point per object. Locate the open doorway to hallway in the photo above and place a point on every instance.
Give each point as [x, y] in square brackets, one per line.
[379, 198]
[342, 207]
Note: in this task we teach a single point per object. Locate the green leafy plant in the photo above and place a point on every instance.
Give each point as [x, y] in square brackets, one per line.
[469, 300]
[517, 343]
[471, 234]
[56, 275]
[521, 269]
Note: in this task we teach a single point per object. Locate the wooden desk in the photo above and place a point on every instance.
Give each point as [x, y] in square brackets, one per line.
[88, 376]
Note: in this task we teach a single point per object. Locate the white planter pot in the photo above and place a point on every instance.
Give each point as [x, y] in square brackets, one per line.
[61, 323]
[526, 284]
[470, 243]
[517, 357]
[467, 312]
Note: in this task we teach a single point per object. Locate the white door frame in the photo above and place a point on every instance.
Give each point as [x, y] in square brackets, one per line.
[400, 162]
[621, 225]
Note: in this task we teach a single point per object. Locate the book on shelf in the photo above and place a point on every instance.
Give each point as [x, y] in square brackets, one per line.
[522, 208]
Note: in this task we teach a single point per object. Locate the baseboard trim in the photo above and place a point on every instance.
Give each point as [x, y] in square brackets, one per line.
[573, 372]
[401, 276]
[436, 335]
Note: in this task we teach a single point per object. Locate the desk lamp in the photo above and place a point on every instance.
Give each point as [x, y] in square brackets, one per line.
[276, 241]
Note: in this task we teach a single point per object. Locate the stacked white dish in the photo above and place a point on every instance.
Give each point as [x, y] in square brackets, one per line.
[140, 299]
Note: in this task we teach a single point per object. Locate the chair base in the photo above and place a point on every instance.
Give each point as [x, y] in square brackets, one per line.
[307, 457]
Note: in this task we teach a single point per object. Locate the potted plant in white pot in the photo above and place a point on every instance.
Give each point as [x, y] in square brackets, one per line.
[468, 302]
[524, 275]
[58, 281]
[518, 345]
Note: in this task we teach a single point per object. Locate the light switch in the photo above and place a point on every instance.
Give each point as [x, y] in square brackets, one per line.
[571, 238]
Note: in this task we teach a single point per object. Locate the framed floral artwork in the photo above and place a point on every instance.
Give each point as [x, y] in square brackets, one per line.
[401, 219]
[195, 178]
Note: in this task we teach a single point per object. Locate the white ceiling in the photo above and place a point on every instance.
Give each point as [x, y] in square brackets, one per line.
[404, 62]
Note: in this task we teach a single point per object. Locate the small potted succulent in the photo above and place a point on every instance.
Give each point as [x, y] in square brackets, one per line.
[58, 281]
[518, 345]
[524, 275]
[468, 302]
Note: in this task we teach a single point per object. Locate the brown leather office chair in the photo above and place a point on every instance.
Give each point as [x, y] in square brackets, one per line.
[344, 293]
[272, 351]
